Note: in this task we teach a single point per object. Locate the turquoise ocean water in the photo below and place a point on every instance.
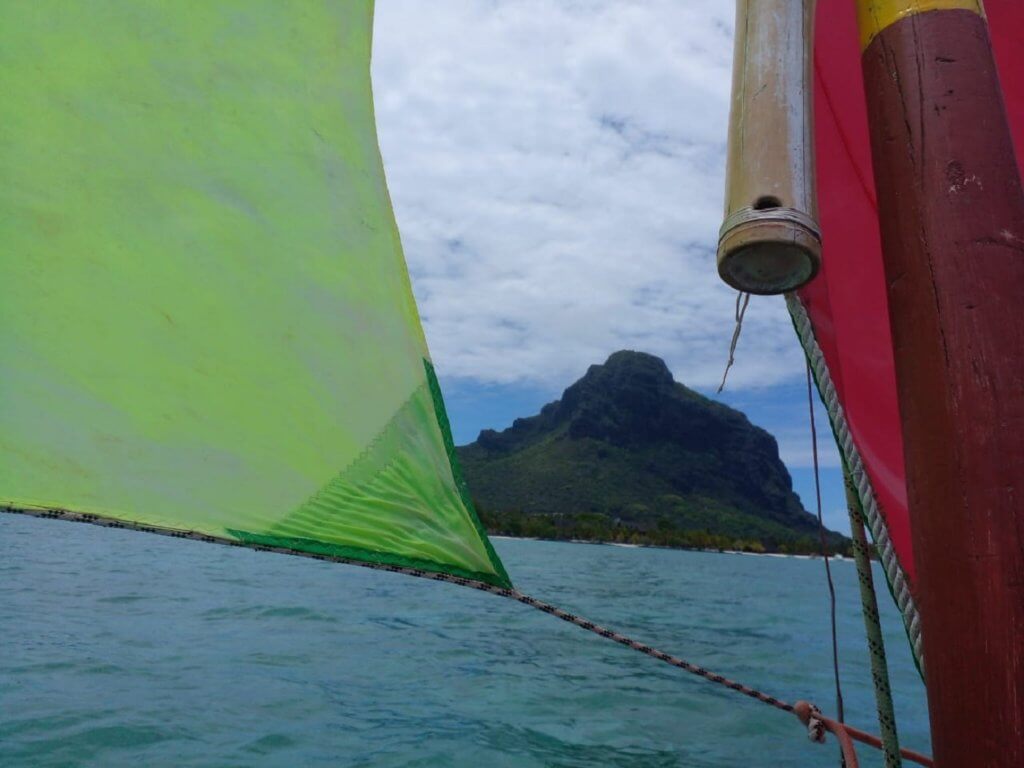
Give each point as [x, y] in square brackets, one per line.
[125, 649]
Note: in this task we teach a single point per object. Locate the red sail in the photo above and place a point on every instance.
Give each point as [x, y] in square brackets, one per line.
[846, 305]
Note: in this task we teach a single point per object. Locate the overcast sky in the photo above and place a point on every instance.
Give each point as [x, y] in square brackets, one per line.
[557, 171]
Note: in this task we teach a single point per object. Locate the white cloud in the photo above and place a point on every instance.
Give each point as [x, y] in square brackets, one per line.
[557, 173]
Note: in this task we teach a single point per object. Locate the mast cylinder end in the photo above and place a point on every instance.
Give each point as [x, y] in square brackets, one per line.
[769, 252]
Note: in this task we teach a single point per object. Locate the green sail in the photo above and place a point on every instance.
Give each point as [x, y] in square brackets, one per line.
[206, 322]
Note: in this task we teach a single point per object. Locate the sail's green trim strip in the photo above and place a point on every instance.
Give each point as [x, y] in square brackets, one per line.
[460, 483]
[398, 502]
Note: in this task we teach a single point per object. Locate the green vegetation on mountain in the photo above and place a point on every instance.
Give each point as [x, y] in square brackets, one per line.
[629, 455]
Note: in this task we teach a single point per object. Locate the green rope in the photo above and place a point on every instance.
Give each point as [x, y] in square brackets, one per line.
[873, 630]
[895, 578]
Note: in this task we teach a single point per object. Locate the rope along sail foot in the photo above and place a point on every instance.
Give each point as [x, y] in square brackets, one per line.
[842, 732]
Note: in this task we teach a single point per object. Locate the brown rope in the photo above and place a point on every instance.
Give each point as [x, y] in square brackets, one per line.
[841, 732]
[824, 550]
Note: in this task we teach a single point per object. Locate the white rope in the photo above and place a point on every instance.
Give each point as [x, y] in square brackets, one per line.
[876, 522]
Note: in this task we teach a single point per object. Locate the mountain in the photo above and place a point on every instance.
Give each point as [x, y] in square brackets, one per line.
[629, 454]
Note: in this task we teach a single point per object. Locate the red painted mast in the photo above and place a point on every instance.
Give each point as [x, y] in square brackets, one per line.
[951, 211]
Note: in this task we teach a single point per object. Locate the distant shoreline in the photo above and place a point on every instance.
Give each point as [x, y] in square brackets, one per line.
[838, 557]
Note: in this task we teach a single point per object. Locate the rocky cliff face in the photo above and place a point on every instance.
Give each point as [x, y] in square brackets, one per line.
[629, 442]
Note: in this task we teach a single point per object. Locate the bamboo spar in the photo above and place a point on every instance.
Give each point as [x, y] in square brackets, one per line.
[770, 242]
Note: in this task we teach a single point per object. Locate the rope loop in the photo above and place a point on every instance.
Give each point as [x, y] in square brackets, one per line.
[814, 722]
[817, 724]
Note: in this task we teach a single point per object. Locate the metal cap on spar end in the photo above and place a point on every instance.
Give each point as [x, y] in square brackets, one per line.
[768, 251]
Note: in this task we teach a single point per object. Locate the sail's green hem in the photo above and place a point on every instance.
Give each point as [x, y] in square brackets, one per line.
[460, 483]
[367, 556]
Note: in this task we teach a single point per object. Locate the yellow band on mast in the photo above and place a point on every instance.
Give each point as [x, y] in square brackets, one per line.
[875, 15]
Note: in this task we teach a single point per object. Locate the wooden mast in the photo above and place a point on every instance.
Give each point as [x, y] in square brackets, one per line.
[951, 212]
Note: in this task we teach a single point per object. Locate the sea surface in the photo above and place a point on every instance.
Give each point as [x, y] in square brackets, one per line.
[126, 649]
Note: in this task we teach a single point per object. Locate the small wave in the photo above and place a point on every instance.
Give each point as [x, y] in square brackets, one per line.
[124, 599]
[295, 612]
[272, 742]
